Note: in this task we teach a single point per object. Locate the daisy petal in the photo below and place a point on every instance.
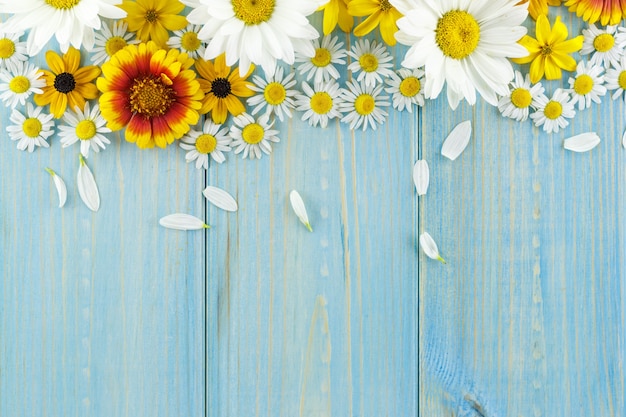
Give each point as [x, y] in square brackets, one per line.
[180, 221]
[582, 143]
[298, 207]
[430, 248]
[220, 198]
[457, 140]
[421, 176]
[87, 188]
[60, 186]
[624, 139]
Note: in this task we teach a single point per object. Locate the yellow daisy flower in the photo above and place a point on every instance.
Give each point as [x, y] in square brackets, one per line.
[336, 11]
[380, 13]
[549, 53]
[151, 19]
[66, 83]
[539, 7]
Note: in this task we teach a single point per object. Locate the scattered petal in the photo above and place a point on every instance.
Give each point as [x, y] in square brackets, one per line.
[430, 247]
[457, 140]
[87, 188]
[60, 185]
[421, 176]
[624, 139]
[180, 221]
[220, 198]
[298, 207]
[582, 143]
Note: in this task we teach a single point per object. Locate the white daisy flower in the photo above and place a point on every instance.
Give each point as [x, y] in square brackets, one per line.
[252, 136]
[520, 98]
[463, 44]
[259, 32]
[363, 104]
[187, 41]
[321, 67]
[552, 113]
[372, 61]
[110, 40]
[605, 45]
[276, 95]
[85, 126]
[30, 129]
[405, 87]
[72, 22]
[587, 85]
[615, 79]
[320, 103]
[12, 50]
[212, 139]
[18, 82]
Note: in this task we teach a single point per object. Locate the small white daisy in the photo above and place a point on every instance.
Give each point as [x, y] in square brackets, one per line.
[18, 82]
[85, 126]
[321, 67]
[187, 41]
[406, 88]
[107, 41]
[30, 129]
[605, 44]
[252, 136]
[521, 98]
[615, 79]
[12, 50]
[363, 105]
[372, 61]
[587, 85]
[275, 94]
[320, 103]
[552, 113]
[212, 139]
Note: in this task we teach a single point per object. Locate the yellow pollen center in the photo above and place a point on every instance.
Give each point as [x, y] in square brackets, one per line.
[32, 127]
[62, 4]
[385, 5]
[546, 50]
[253, 12]
[206, 143]
[621, 80]
[7, 48]
[85, 130]
[150, 96]
[604, 42]
[410, 86]
[364, 104]
[321, 102]
[19, 84]
[368, 62]
[583, 84]
[274, 93]
[253, 133]
[322, 57]
[457, 34]
[521, 98]
[553, 110]
[114, 44]
[151, 16]
[190, 42]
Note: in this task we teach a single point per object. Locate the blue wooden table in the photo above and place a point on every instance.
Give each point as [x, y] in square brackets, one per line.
[108, 314]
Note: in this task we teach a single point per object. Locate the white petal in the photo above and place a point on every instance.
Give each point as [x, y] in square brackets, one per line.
[582, 143]
[87, 188]
[181, 221]
[457, 140]
[60, 186]
[421, 176]
[220, 198]
[298, 207]
[624, 139]
[429, 247]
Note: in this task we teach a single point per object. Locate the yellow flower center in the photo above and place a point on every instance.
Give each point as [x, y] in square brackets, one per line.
[457, 34]
[553, 110]
[190, 42]
[368, 62]
[583, 84]
[151, 16]
[521, 98]
[621, 80]
[85, 130]
[322, 57]
[364, 104]
[206, 143]
[114, 44]
[253, 12]
[7, 48]
[62, 4]
[32, 127]
[275, 93]
[410, 86]
[604, 42]
[19, 84]
[253, 133]
[321, 102]
[150, 96]
[385, 5]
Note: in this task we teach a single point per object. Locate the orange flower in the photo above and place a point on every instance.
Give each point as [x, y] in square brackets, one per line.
[608, 12]
[539, 7]
[152, 92]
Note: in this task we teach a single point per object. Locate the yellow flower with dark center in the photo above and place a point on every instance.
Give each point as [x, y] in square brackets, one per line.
[336, 12]
[379, 13]
[539, 7]
[607, 12]
[151, 19]
[66, 83]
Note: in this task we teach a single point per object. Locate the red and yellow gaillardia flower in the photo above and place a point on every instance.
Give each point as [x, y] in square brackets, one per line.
[150, 91]
[607, 12]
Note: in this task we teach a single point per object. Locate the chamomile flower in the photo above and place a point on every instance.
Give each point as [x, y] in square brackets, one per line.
[110, 40]
[212, 139]
[405, 87]
[587, 85]
[321, 67]
[604, 45]
[553, 113]
[30, 129]
[320, 103]
[520, 98]
[372, 61]
[363, 105]
[187, 41]
[275, 94]
[615, 79]
[12, 50]
[86, 126]
[253, 137]
[18, 82]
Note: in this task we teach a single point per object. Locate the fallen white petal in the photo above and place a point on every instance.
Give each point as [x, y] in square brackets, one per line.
[60, 186]
[220, 198]
[421, 176]
[298, 207]
[582, 143]
[87, 188]
[457, 140]
[430, 247]
[624, 139]
[181, 221]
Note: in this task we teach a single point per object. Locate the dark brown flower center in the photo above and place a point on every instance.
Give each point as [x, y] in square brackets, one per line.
[221, 87]
[64, 83]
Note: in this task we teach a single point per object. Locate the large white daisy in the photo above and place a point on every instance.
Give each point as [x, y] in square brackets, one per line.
[463, 44]
[72, 22]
